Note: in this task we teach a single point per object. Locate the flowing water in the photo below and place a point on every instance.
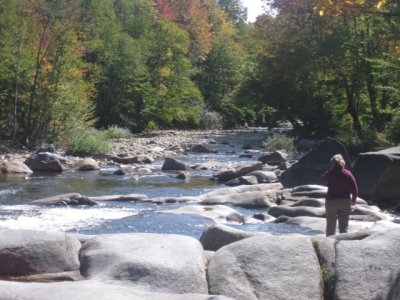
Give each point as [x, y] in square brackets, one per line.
[122, 216]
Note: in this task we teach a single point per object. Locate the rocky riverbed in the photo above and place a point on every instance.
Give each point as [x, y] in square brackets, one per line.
[225, 262]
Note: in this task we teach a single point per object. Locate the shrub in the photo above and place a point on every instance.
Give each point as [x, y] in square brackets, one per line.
[88, 142]
[211, 120]
[280, 142]
[115, 132]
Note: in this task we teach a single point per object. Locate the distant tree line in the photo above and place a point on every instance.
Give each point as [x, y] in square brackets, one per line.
[327, 67]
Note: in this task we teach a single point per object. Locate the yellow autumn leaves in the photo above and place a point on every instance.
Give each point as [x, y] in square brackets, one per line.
[338, 7]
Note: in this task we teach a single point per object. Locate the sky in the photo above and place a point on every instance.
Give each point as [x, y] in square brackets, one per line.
[254, 8]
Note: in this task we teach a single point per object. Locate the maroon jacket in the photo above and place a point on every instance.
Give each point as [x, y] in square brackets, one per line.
[341, 184]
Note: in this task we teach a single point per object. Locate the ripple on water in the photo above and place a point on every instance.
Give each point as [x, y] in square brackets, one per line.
[59, 218]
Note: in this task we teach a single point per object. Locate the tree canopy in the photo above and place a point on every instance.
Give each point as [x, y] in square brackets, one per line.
[327, 67]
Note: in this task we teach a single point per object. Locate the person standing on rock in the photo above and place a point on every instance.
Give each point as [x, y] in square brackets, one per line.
[342, 193]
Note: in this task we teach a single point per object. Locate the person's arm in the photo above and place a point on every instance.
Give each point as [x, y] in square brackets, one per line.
[354, 188]
[325, 177]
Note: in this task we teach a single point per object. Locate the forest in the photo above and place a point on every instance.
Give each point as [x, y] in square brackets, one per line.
[330, 68]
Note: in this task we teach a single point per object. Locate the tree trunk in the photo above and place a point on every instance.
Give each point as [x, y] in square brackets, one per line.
[351, 105]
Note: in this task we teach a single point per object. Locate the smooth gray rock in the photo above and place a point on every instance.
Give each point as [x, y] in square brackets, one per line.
[140, 159]
[243, 180]
[64, 200]
[216, 213]
[128, 197]
[158, 262]
[217, 236]
[14, 167]
[45, 162]
[274, 158]
[209, 165]
[89, 290]
[264, 176]
[310, 202]
[247, 199]
[299, 211]
[319, 224]
[171, 164]
[201, 148]
[312, 165]
[378, 173]
[24, 252]
[238, 170]
[87, 164]
[267, 267]
[369, 268]
[260, 195]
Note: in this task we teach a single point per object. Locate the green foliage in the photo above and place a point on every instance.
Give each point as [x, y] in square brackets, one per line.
[211, 120]
[115, 132]
[280, 142]
[87, 142]
[393, 128]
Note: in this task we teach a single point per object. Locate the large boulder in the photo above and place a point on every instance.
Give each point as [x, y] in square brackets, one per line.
[167, 263]
[171, 164]
[89, 290]
[369, 268]
[266, 267]
[312, 165]
[46, 162]
[24, 252]
[378, 173]
[14, 167]
[217, 236]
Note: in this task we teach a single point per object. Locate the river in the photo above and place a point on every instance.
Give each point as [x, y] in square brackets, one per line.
[123, 217]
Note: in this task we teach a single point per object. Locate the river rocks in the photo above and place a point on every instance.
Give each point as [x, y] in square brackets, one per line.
[217, 236]
[378, 173]
[253, 178]
[243, 180]
[128, 197]
[183, 175]
[14, 167]
[46, 162]
[89, 290]
[64, 200]
[202, 148]
[247, 199]
[172, 164]
[264, 176]
[140, 159]
[240, 169]
[24, 252]
[266, 267]
[87, 164]
[164, 263]
[217, 213]
[274, 158]
[260, 195]
[281, 210]
[375, 260]
[209, 165]
[312, 165]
